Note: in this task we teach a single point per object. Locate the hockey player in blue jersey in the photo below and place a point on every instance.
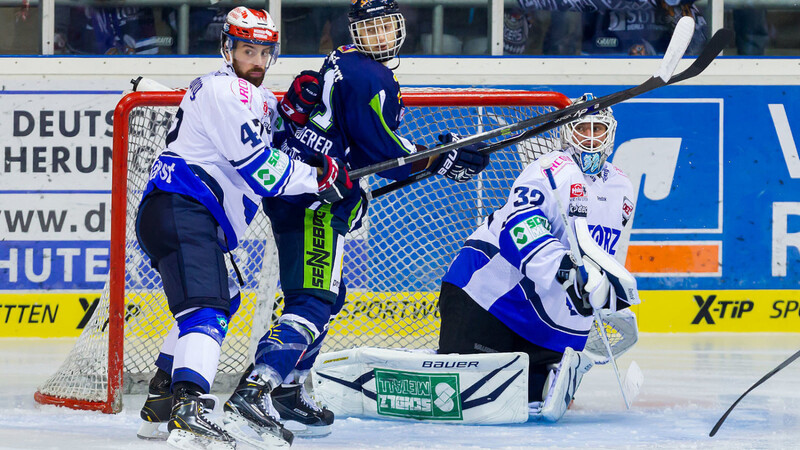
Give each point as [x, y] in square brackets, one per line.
[204, 189]
[513, 286]
[356, 121]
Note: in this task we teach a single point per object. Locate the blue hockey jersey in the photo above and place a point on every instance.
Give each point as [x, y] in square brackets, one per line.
[356, 121]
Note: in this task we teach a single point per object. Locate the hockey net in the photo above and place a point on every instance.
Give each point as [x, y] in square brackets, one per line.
[393, 264]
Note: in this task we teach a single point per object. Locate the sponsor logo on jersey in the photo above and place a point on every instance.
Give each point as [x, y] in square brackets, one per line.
[272, 170]
[194, 87]
[418, 395]
[627, 210]
[605, 237]
[577, 190]
[241, 89]
[577, 209]
[162, 170]
[530, 230]
[318, 258]
[559, 163]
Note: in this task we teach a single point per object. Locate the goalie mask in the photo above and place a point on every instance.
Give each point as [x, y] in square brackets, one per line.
[377, 27]
[249, 43]
[590, 139]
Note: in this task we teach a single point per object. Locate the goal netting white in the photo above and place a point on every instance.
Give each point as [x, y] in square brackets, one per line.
[393, 264]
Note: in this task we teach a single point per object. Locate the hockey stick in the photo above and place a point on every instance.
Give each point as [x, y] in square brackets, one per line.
[575, 256]
[677, 47]
[758, 383]
[715, 45]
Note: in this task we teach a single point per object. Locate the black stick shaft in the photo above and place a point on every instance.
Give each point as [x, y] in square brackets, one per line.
[758, 383]
[715, 45]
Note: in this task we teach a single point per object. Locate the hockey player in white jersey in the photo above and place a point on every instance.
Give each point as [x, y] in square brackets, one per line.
[205, 187]
[513, 287]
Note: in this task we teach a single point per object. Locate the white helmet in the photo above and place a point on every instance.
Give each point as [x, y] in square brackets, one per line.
[253, 26]
[590, 151]
[377, 27]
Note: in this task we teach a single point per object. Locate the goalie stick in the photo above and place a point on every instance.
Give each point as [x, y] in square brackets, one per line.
[757, 384]
[713, 48]
[677, 47]
[575, 256]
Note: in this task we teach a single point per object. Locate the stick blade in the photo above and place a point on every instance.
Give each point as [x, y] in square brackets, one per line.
[633, 381]
[681, 38]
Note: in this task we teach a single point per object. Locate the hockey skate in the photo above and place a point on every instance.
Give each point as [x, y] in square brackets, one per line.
[157, 409]
[561, 384]
[300, 413]
[190, 427]
[251, 418]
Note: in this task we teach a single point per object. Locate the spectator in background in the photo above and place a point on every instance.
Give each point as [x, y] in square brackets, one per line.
[111, 31]
[750, 27]
[613, 27]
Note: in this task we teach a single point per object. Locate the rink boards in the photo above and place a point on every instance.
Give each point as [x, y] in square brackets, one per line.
[715, 236]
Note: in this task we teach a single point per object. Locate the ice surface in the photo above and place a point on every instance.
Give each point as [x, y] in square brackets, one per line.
[689, 381]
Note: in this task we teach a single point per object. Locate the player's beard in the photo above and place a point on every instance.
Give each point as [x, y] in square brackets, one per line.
[255, 76]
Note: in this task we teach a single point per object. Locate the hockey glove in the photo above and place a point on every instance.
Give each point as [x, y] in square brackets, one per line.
[304, 93]
[334, 181]
[460, 164]
[590, 290]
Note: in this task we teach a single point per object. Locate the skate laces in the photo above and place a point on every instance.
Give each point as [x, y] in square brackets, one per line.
[306, 398]
[208, 406]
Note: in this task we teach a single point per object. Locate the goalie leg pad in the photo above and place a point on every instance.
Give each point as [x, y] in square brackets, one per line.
[414, 385]
[561, 386]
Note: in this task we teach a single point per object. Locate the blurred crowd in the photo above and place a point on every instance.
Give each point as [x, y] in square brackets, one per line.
[533, 27]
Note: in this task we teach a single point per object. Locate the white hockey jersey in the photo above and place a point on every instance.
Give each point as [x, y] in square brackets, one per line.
[219, 151]
[509, 264]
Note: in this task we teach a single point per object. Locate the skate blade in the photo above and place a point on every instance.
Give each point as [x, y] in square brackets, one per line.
[186, 440]
[305, 431]
[241, 430]
[152, 431]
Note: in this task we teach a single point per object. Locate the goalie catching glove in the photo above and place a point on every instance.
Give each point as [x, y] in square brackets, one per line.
[587, 286]
[460, 164]
[304, 93]
[333, 180]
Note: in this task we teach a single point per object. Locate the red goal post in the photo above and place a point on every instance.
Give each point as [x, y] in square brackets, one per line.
[392, 265]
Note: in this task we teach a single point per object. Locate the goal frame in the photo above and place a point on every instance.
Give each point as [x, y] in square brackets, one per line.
[477, 97]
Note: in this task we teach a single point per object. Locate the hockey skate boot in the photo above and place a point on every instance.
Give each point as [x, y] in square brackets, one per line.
[251, 418]
[561, 384]
[300, 413]
[157, 408]
[190, 426]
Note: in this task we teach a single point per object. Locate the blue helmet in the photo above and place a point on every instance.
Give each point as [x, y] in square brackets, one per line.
[377, 27]
[367, 9]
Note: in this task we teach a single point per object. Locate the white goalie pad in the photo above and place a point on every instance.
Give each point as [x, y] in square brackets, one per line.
[411, 385]
[623, 282]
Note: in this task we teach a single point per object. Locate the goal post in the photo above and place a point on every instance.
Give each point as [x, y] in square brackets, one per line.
[392, 267]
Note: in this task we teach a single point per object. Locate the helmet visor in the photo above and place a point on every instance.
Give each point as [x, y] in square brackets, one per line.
[379, 37]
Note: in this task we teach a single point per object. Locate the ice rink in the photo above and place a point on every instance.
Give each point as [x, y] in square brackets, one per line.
[689, 381]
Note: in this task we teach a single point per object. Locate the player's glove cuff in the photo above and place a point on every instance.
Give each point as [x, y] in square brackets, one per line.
[460, 164]
[333, 182]
[304, 93]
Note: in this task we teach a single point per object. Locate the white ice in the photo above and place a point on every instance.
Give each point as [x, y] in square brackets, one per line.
[689, 381]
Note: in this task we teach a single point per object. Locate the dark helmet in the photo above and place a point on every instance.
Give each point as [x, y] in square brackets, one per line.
[377, 27]
[367, 9]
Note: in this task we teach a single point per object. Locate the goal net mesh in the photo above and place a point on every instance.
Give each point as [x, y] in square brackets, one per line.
[392, 265]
